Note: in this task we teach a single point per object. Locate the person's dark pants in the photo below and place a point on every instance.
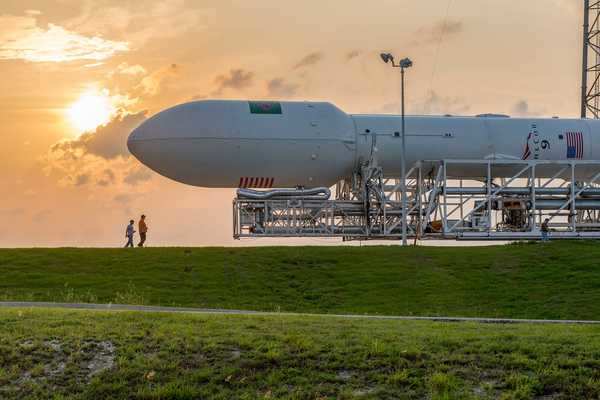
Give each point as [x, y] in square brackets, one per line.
[142, 239]
[129, 241]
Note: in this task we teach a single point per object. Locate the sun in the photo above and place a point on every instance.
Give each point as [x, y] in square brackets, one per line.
[91, 110]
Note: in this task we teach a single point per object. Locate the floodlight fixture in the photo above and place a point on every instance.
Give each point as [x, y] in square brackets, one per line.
[406, 63]
[387, 57]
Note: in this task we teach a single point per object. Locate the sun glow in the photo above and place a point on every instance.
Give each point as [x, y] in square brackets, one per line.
[91, 110]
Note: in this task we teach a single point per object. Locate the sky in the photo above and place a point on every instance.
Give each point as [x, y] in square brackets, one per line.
[77, 76]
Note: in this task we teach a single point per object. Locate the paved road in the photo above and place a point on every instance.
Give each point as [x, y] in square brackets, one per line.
[189, 310]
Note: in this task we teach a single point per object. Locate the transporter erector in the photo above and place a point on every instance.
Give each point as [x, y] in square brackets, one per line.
[482, 177]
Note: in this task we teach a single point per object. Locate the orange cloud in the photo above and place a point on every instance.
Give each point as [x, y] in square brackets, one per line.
[126, 69]
[142, 24]
[236, 79]
[279, 87]
[22, 39]
[98, 159]
[309, 60]
[150, 84]
[108, 141]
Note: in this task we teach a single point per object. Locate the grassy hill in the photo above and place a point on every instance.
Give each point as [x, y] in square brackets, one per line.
[556, 280]
[116, 355]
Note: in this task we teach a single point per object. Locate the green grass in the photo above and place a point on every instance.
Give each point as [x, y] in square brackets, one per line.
[104, 355]
[46, 353]
[557, 280]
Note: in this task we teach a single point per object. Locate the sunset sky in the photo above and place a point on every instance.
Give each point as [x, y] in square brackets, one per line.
[78, 76]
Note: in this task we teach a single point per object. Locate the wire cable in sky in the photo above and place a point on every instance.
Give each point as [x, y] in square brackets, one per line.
[439, 45]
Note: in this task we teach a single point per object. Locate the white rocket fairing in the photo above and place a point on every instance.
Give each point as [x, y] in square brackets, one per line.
[288, 144]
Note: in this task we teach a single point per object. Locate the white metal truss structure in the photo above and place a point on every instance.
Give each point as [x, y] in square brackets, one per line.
[514, 206]
[508, 201]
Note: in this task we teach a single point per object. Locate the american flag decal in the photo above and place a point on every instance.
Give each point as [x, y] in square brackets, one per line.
[574, 144]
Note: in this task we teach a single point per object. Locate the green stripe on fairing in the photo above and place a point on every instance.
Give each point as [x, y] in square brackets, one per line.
[265, 107]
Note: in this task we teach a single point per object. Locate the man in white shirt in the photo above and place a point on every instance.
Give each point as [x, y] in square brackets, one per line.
[129, 231]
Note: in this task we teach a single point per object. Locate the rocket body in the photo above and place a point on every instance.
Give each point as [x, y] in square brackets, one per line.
[228, 144]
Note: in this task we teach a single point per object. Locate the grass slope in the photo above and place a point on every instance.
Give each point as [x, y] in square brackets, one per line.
[558, 280]
[103, 355]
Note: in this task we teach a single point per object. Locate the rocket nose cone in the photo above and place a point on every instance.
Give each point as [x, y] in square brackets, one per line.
[134, 139]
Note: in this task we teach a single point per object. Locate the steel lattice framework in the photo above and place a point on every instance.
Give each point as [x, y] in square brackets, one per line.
[590, 83]
[508, 202]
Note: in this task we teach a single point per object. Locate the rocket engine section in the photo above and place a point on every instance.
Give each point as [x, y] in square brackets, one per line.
[258, 144]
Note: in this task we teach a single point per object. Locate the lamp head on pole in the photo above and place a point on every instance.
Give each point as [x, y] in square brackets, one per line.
[406, 63]
[387, 57]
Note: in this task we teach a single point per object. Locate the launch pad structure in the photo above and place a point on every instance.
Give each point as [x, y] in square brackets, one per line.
[509, 201]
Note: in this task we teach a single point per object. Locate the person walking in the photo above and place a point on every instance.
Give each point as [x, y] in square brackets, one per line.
[129, 232]
[545, 230]
[143, 228]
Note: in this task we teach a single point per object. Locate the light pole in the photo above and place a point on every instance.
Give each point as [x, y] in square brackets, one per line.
[403, 64]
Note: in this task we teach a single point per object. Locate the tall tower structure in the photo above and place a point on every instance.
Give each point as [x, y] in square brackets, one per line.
[590, 82]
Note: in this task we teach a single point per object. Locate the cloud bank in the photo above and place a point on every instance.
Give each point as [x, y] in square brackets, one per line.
[150, 84]
[432, 104]
[438, 31]
[236, 79]
[22, 39]
[108, 141]
[309, 60]
[352, 55]
[522, 108]
[143, 22]
[100, 158]
[279, 87]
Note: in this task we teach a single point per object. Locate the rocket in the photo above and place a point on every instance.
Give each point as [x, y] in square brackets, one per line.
[277, 144]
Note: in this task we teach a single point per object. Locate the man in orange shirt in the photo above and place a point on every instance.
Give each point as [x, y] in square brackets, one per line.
[142, 228]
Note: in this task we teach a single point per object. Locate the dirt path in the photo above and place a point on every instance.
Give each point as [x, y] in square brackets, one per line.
[126, 307]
